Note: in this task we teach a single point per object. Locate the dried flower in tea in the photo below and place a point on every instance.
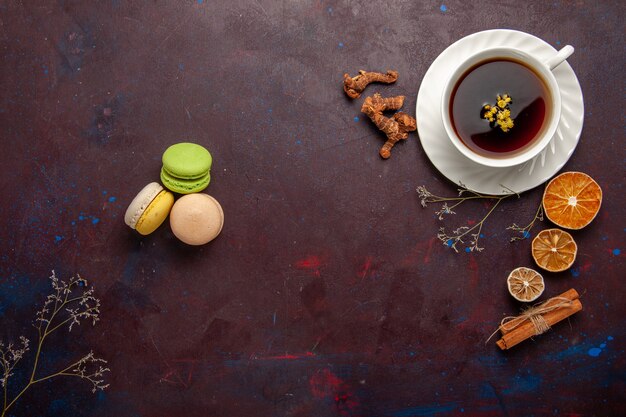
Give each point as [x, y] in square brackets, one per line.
[500, 113]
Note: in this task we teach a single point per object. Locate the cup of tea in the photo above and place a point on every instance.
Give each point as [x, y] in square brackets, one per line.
[533, 104]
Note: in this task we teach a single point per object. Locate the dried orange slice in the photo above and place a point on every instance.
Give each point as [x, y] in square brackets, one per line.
[572, 200]
[525, 284]
[554, 250]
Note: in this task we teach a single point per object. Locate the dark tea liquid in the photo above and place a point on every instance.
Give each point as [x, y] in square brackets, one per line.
[479, 86]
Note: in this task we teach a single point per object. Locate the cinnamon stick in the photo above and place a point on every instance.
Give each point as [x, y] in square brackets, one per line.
[570, 294]
[527, 329]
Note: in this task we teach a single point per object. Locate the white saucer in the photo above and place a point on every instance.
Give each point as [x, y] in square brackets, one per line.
[456, 167]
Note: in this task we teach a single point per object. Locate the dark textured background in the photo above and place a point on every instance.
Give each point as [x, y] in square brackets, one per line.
[327, 293]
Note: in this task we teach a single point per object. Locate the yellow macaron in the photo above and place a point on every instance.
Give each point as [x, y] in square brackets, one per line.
[149, 209]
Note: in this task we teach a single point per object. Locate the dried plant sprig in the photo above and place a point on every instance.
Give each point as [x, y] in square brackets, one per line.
[525, 231]
[69, 303]
[10, 355]
[88, 367]
[464, 194]
[80, 307]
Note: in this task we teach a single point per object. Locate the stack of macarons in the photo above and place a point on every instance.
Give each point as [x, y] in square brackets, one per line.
[195, 218]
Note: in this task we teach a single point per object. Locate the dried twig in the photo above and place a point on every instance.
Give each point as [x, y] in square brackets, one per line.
[69, 304]
[525, 231]
[464, 194]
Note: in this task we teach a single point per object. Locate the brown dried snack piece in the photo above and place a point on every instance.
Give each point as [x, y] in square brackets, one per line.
[378, 104]
[354, 86]
[395, 128]
[406, 124]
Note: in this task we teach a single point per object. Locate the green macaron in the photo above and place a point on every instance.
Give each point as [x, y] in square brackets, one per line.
[186, 168]
[182, 185]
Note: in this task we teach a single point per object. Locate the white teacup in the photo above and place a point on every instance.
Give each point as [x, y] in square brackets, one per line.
[543, 69]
